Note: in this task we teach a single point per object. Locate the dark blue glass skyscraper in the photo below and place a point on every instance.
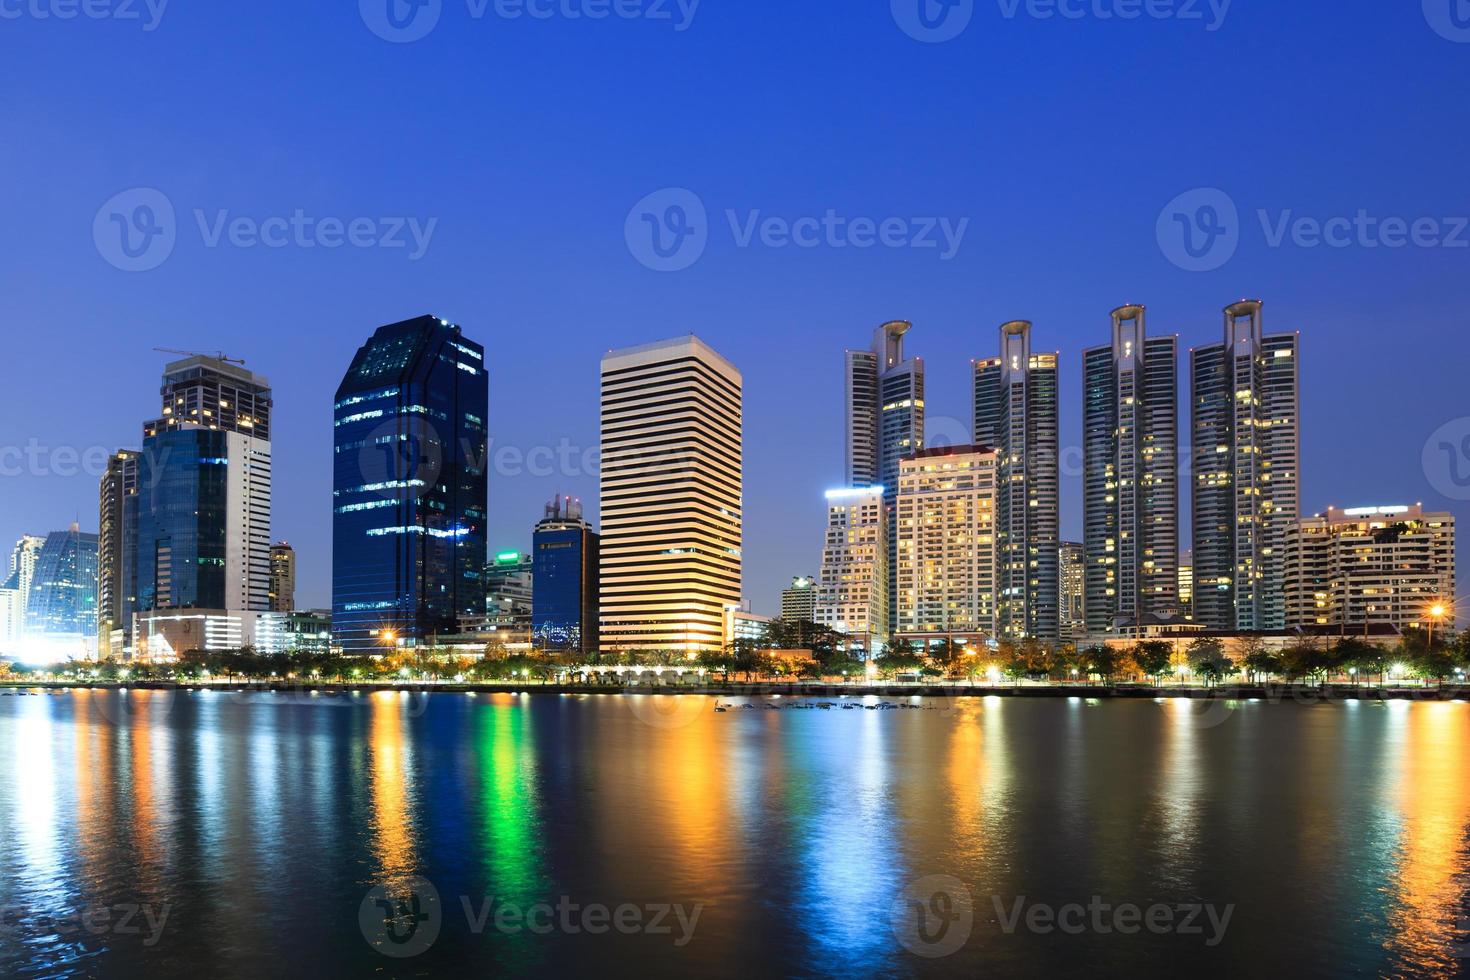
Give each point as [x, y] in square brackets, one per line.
[409, 488]
[564, 581]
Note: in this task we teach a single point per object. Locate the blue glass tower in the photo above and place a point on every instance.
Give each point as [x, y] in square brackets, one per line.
[564, 581]
[409, 488]
[61, 609]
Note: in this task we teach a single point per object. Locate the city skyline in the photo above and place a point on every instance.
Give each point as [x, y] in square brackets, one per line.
[944, 426]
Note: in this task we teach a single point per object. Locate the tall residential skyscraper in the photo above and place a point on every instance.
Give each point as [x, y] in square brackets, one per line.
[117, 554]
[564, 580]
[1245, 419]
[1368, 565]
[946, 541]
[1130, 438]
[884, 412]
[15, 592]
[799, 602]
[1186, 586]
[409, 493]
[852, 594]
[1072, 591]
[671, 491]
[283, 577]
[61, 606]
[1015, 408]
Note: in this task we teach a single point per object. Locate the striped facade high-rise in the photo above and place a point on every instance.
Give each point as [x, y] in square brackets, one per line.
[670, 562]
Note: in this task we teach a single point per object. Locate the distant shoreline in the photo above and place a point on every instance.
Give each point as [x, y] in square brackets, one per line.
[1299, 693]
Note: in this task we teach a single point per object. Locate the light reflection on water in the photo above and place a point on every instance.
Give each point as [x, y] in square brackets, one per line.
[1340, 833]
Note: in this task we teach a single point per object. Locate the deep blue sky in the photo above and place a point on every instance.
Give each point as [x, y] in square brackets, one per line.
[530, 140]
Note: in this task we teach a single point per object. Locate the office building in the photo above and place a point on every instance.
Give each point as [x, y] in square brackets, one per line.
[799, 602]
[671, 488]
[203, 520]
[1371, 565]
[1244, 420]
[1015, 411]
[283, 578]
[883, 407]
[117, 555]
[852, 592]
[1071, 578]
[409, 491]
[946, 541]
[509, 594]
[61, 604]
[1130, 433]
[565, 580]
[746, 627]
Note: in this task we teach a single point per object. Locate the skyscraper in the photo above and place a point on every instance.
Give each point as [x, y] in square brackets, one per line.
[799, 602]
[283, 577]
[1015, 410]
[946, 541]
[15, 591]
[671, 490]
[117, 554]
[1245, 421]
[409, 487]
[1130, 434]
[884, 412]
[216, 393]
[852, 594]
[564, 580]
[61, 606]
[204, 509]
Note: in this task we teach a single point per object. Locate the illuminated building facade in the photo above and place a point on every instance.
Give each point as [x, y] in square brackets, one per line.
[1245, 429]
[946, 541]
[852, 592]
[1015, 411]
[1130, 475]
[799, 602]
[883, 409]
[671, 507]
[409, 488]
[117, 554]
[1371, 565]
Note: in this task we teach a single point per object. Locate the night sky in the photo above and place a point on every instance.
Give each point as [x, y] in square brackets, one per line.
[529, 141]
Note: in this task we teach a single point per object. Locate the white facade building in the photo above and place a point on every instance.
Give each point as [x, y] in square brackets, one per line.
[946, 541]
[852, 593]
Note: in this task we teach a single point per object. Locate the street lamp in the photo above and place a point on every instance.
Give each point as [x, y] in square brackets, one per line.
[1436, 611]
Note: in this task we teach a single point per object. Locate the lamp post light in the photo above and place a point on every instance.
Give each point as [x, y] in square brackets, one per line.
[1436, 612]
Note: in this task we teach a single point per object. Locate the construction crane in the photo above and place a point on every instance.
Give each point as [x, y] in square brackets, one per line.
[218, 355]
